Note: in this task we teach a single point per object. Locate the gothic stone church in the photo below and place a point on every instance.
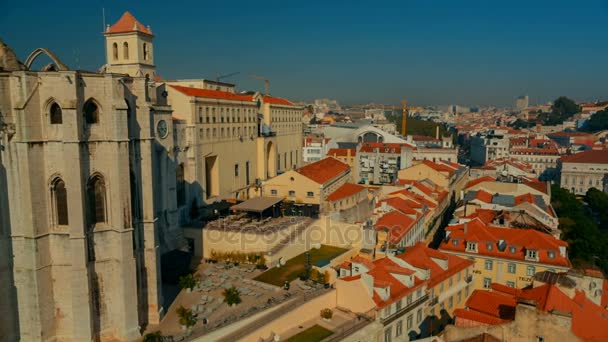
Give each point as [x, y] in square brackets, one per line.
[87, 193]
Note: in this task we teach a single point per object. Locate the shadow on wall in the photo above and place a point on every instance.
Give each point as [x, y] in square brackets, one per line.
[9, 324]
[432, 325]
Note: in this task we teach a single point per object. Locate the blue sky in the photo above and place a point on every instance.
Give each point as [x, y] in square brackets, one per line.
[431, 52]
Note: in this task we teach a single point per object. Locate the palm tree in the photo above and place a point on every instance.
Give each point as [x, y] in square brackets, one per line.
[232, 296]
[188, 281]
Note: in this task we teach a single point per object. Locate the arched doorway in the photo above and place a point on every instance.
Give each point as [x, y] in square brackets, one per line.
[271, 163]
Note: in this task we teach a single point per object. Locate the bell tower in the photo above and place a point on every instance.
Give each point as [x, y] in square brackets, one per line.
[129, 48]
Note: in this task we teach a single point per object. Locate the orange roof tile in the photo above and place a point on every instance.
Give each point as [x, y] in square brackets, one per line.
[128, 23]
[214, 94]
[480, 180]
[398, 204]
[397, 224]
[346, 190]
[277, 100]
[521, 239]
[422, 256]
[589, 320]
[324, 170]
[592, 156]
[476, 316]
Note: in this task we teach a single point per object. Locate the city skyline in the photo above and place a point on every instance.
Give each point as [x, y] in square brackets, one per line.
[474, 54]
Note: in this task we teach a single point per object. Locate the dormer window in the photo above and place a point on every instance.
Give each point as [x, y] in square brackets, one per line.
[471, 247]
[551, 254]
[512, 250]
[455, 242]
[489, 246]
[531, 254]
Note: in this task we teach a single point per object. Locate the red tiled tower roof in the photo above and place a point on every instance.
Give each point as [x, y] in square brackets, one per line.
[128, 23]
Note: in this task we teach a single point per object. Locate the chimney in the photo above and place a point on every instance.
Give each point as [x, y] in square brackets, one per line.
[437, 132]
[465, 227]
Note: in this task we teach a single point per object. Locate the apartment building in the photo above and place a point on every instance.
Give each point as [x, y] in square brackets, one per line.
[583, 171]
[311, 184]
[314, 148]
[379, 163]
[412, 293]
[508, 256]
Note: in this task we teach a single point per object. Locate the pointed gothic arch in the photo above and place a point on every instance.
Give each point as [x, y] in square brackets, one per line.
[32, 57]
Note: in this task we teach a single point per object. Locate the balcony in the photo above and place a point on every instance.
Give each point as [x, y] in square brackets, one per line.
[468, 279]
[388, 320]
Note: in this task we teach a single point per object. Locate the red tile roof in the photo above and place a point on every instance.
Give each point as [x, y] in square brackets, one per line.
[592, 156]
[422, 257]
[277, 100]
[522, 239]
[324, 170]
[226, 95]
[484, 196]
[480, 180]
[419, 256]
[346, 190]
[214, 94]
[589, 321]
[476, 316]
[128, 23]
[440, 167]
[398, 204]
[397, 224]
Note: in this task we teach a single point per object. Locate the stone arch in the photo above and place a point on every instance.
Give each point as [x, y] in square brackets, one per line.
[97, 199]
[91, 111]
[32, 57]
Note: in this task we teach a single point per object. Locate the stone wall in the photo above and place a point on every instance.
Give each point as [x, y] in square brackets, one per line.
[529, 324]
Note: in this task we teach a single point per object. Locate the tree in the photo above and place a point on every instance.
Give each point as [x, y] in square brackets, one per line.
[186, 317]
[598, 121]
[153, 337]
[562, 109]
[598, 202]
[232, 296]
[188, 281]
[588, 245]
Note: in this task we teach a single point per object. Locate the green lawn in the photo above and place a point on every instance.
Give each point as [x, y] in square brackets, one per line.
[313, 334]
[294, 267]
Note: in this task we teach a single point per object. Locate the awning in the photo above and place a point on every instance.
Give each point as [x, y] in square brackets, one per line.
[257, 204]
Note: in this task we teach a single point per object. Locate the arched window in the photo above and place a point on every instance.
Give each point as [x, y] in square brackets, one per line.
[60, 201]
[96, 196]
[146, 53]
[115, 51]
[56, 114]
[91, 112]
[125, 50]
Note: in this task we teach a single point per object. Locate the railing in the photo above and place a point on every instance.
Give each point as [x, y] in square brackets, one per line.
[404, 310]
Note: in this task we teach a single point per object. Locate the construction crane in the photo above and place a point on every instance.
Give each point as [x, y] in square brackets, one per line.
[404, 118]
[218, 77]
[266, 82]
